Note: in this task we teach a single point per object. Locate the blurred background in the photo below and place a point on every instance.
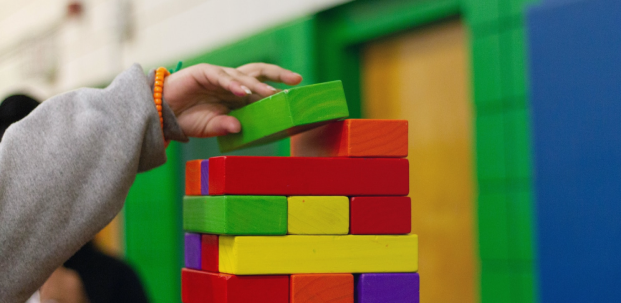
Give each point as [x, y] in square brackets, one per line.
[512, 107]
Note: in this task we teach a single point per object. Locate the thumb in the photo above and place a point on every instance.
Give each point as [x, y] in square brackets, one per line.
[221, 125]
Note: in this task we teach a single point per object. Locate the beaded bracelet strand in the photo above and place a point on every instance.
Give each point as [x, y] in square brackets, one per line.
[158, 87]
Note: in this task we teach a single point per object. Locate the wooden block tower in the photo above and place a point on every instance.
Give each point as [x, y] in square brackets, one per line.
[331, 223]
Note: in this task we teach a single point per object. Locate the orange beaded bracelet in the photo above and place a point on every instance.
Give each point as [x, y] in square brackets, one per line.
[158, 87]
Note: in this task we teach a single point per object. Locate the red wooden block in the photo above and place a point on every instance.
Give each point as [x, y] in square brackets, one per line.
[239, 175]
[380, 215]
[210, 253]
[354, 138]
[319, 288]
[206, 287]
[193, 178]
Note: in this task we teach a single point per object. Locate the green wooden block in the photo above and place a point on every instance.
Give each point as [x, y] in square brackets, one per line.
[286, 113]
[520, 222]
[493, 226]
[496, 282]
[235, 215]
[487, 73]
[490, 147]
[523, 282]
[518, 144]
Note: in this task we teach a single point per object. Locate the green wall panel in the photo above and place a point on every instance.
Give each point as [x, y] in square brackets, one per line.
[490, 146]
[514, 66]
[520, 223]
[493, 226]
[487, 73]
[482, 12]
[523, 282]
[496, 281]
[153, 229]
[518, 145]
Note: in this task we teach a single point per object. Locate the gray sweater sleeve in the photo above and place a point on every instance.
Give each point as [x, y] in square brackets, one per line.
[65, 171]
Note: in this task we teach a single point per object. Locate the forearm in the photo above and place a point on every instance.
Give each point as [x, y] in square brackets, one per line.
[65, 171]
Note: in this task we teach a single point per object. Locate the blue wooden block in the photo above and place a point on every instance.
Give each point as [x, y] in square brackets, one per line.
[389, 287]
[575, 54]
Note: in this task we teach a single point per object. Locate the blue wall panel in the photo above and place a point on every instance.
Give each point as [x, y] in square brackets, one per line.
[575, 52]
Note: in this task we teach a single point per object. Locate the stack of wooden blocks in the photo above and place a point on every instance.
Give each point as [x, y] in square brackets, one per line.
[329, 224]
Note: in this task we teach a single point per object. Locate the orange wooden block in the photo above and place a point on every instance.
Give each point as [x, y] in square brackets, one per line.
[193, 178]
[354, 138]
[319, 288]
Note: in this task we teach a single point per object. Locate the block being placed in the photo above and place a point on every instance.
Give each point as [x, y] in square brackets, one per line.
[286, 113]
[243, 255]
[318, 215]
[380, 215]
[206, 287]
[384, 287]
[192, 250]
[354, 138]
[301, 176]
[235, 215]
[317, 288]
[196, 174]
[209, 253]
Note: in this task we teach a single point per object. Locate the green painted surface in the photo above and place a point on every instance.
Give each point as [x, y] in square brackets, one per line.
[286, 113]
[480, 12]
[518, 145]
[523, 282]
[493, 226]
[514, 66]
[496, 282]
[487, 73]
[235, 215]
[520, 222]
[490, 147]
[153, 244]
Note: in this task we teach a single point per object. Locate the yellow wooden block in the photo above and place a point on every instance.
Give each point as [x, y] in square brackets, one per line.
[316, 215]
[252, 255]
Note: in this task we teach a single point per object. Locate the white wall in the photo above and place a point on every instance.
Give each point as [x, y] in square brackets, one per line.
[45, 53]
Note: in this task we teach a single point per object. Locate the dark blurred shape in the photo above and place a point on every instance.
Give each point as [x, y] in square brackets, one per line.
[15, 108]
[106, 279]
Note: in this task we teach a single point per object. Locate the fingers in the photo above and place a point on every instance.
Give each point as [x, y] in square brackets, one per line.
[270, 72]
[222, 125]
[218, 76]
[252, 83]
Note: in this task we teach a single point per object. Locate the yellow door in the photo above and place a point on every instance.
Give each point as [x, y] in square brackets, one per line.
[423, 76]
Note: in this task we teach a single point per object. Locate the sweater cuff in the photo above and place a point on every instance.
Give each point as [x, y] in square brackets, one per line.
[172, 130]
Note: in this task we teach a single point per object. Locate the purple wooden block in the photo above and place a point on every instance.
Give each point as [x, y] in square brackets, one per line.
[382, 288]
[205, 177]
[193, 251]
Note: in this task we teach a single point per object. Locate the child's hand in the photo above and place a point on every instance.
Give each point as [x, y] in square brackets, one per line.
[202, 95]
